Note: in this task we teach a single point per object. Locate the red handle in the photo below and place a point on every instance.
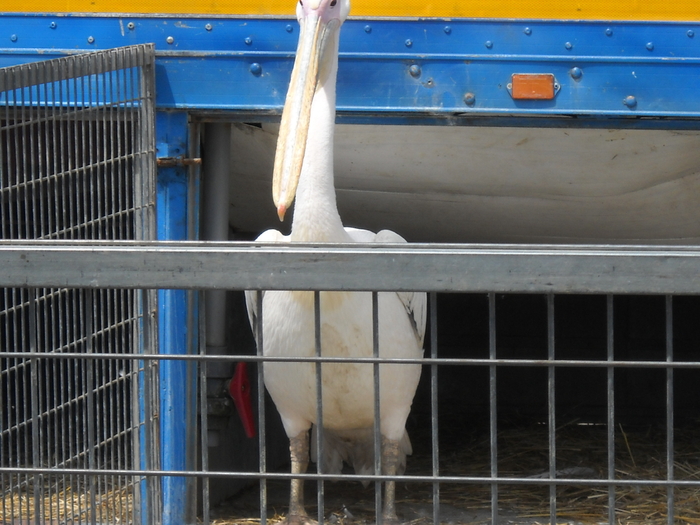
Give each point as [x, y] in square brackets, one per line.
[239, 389]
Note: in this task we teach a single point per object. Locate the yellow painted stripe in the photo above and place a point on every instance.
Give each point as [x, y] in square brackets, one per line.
[682, 10]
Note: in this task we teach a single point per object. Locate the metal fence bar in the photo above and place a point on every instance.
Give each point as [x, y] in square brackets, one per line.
[551, 411]
[610, 348]
[493, 406]
[262, 431]
[286, 476]
[453, 268]
[669, 411]
[561, 363]
[203, 412]
[377, 414]
[435, 442]
[320, 487]
[91, 412]
[38, 481]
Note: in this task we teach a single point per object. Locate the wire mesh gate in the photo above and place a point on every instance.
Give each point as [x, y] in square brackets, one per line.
[77, 162]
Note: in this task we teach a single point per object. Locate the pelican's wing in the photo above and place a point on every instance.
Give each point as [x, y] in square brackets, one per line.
[251, 296]
[415, 303]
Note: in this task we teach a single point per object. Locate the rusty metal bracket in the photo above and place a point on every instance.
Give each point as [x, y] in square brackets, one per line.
[172, 162]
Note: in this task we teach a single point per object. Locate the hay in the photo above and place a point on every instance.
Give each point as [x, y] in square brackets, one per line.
[68, 504]
[523, 452]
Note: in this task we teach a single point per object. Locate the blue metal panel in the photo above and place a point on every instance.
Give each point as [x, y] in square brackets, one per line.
[243, 64]
[177, 332]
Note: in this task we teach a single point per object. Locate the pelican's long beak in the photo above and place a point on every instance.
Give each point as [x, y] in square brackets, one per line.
[315, 31]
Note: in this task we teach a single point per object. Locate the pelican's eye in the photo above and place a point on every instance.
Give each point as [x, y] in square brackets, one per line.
[301, 3]
[333, 2]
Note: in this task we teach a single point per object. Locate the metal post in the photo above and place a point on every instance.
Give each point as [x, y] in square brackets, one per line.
[178, 379]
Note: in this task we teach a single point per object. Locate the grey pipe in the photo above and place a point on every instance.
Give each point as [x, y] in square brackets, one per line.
[215, 224]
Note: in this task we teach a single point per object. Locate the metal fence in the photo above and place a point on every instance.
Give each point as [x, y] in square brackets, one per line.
[76, 162]
[587, 468]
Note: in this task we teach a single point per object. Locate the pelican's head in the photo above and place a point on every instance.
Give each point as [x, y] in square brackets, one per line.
[319, 21]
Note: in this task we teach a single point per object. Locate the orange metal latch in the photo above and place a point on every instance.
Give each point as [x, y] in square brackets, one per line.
[532, 86]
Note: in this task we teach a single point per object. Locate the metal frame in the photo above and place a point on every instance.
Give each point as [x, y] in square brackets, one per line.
[610, 73]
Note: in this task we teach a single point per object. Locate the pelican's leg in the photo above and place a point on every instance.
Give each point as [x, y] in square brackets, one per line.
[299, 452]
[390, 460]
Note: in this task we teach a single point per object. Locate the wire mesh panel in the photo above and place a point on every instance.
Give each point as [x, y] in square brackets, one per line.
[76, 163]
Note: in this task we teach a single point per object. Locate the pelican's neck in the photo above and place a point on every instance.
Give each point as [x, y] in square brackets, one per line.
[316, 217]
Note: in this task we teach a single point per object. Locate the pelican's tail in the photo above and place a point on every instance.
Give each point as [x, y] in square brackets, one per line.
[356, 448]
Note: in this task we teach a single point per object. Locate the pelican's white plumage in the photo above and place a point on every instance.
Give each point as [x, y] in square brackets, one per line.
[304, 169]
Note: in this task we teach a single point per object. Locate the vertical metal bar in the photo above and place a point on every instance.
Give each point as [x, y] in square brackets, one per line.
[261, 410]
[54, 456]
[319, 405]
[377, 407]
[38, 482]
[551, 409]
[493, 406]
[670, 511]
[72, 308]
[33, 182]
[611, 407]
[150, 442]
[434, 406]
[91, 412]
[203, 411]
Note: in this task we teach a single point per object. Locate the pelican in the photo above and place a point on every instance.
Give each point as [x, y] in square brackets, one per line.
[303, 170]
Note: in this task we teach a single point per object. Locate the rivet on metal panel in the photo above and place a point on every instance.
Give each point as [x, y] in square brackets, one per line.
[91, 40]
[131, 26]
[248, 40]
[609, 32]
[469, 99]
[208, 27]
[650, 46]
[408, 42]
[52, 25]
[527, 31]
[569, 45]
[576, 73]
[630, 101]
[414, 71]
[368, 29]
[289, 28]
[447, 30]
[170, 40]
[690, 33]
[13, 38]
[255, 69]
[488, 44]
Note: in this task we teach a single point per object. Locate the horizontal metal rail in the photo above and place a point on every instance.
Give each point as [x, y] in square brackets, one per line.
[356, 477]
[559, 363]
[397, 267]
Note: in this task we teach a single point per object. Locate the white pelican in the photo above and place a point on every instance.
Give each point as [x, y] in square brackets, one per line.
[304, 168]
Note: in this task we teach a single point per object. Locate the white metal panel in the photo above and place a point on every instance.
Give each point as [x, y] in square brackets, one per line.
[475, 184]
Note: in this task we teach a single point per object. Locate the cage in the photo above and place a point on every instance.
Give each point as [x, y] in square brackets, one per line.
[77, 164]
